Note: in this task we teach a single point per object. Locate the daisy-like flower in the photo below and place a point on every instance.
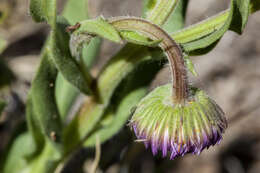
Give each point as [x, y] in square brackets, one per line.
[177, 129]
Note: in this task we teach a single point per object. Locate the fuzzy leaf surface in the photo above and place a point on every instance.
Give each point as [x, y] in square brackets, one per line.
[43, 99]
[65, 93]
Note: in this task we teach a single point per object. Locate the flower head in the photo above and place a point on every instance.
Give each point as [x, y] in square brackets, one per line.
[177, 129]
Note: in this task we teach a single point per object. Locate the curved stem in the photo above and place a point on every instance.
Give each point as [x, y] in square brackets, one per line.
[170, 47]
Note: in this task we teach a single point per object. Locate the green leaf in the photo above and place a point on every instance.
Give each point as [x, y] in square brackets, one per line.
[120, 66]
[201, 29]
[66, 93]
[240, 15]
[23, 144]
[73, 71]
[15, 160]
[33, 125]
[176, 20]
[75, 11]
[136, 38]
[46, 162]
[236, 21]
[82, 124]
[158, 11]
[148, 5]
[98, 27]
[90, 51]
[43, 99]
[43, 11]
[83, 34]
[211, 25]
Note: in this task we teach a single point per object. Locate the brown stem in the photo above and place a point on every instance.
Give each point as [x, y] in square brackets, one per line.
[170, 47]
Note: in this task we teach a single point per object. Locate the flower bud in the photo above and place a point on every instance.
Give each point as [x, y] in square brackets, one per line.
[177, 129]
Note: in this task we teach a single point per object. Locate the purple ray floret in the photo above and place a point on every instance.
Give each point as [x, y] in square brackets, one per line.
[175, 130]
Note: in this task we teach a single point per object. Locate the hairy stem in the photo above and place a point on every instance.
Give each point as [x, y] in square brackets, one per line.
[170, 47]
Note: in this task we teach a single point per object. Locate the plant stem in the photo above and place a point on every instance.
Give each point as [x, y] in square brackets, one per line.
[169, 46]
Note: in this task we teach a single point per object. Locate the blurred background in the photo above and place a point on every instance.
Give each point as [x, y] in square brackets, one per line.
[230, 74]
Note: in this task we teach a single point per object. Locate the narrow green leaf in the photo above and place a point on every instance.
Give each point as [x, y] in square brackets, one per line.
[240, 15]
[201, 29]
[216, 28]
[33, 125]
[46, 162]
[66, 93]
[43, 11]
[90, 51]
[15, 160]
[43, 99]
[98, 27]
[73, 71]
[158, 11]
[136, 38]
[43, 86]
[119, 67]
[82, 124]
[148, 5]
[176, 20]
[209, 26]
[83, 34]
[210, 39]
[75, 11]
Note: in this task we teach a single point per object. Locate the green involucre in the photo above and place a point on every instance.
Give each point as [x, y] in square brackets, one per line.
[186, 125]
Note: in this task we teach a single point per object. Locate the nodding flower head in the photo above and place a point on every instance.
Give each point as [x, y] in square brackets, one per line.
[177, 129]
